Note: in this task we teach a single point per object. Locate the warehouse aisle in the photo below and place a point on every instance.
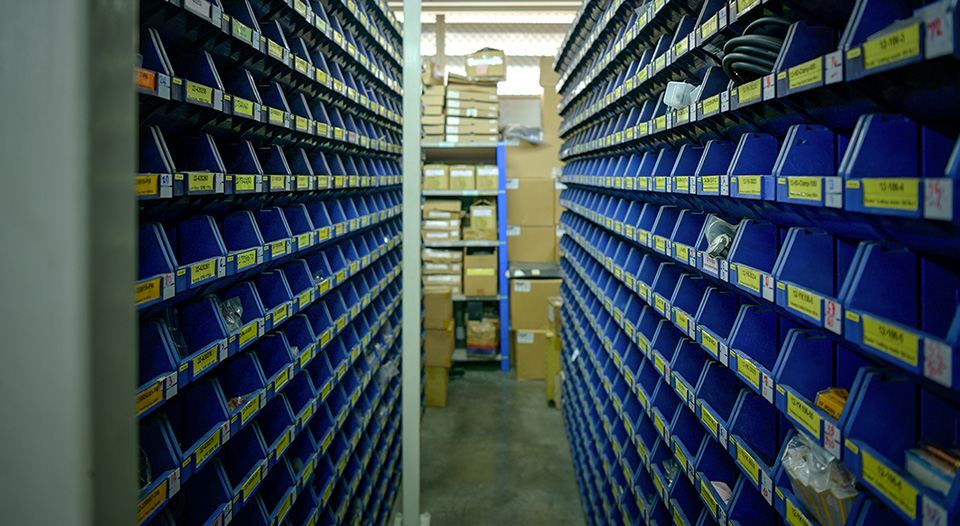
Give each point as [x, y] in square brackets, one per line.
[497, 455]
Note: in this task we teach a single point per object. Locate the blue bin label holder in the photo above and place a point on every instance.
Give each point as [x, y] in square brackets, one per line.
[156, 289]
[159, 392]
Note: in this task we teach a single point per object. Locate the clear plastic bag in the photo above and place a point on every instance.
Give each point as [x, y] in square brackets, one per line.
[232, 311]
[821, 481]
[720, 235]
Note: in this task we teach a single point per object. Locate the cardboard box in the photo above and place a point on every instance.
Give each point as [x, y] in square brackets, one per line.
[483, 337]
[433, 130]
[433, 110]
[531, 244]
[531, 350]
[440, 255]
[441, 224]
[483, 215]
[452, 282]
[554, 310]
[462, 177]
[476, 94]
[472, 234]
[548, 77]
[437, 308]
[442, 209]
[435, 386]
[488, 177]
[460, 82]
[487, 63]
[433, 120]
[474, 112]
[442, 268]
[534, 161]
[480, 275]
[436, 177]
[530, 202]
[432, 73]
[472, 138]
[433, 100]
[440, 235]
[438, 347]
[434, 138]
[472, 104]
[552, 364]
[433, 90]
[528, 303]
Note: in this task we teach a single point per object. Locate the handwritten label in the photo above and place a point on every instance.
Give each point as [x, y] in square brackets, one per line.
[804, 302]
[246, 259]
[708, 498]
[242, 31]
[245, 182]
[890, 484]
[201, 182]
[749, 184]
[748, 278]
[802, 413]
[891, 194]
[243, 106]
[809, 72]
[681, 389]
[894, 47]
[199, 93]
[890, 340]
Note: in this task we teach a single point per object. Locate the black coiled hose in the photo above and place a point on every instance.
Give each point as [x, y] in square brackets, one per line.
[753, 54]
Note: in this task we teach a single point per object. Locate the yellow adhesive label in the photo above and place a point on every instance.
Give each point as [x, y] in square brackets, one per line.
[274, 49]
[643, 398]
[245, 182]
[659, 364]
[681, 390]
[795, 517]
[249, 410]
[278, 182]
[803, 301]
[683, 115]
[707, 418]
[275, 115]
[251, 484]
[202, 271]
[748, 278]
[656, 481]
[148, 184]
[681, 47]
[748, 464]
[709, 342]
[709, 27]
[681, 458]
[151, 502]
[683, 183]
[677, 519]
[661, 243]
[300, 65]
[660, 122]
[749, 371]
[278, 248]
[743, 5]
[660, 304]
[894, 47]
[284, 443]
[681, 252]
[305, 298]
[199, 93]
[246, 259]
[891, 194]
[711, 183]
[682, 320]
[306, 357]
[749, 184]
[301, 123]
[205, 360]
[304, 240]
[243, 106]
[852, 316]
[711, 105]
[149, 397]
[890, 340]
[282, 378]
[148, 291]
[890, 484]
[207, 448]
[658, 423]
[708, 498]
[280, 314]
[660, 183]
[804, 414]
[809, 72]
[202, 182]
[749, 91]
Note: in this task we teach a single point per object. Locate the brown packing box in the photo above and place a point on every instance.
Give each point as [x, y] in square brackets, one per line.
[488, 177]
[531, 244]
[531, 349]
[440, 235]
[435, 386]
[530, 202]
[433, 130]
[548, 77]
[436, 177]
[472, 234]
[528, 302]
[433, 120]
[554, 308]
[460, 82]
[456, 104]
[472, 138]
[433, 110]
[452, 281]
[432, 100]
[473, 112]
[442, 209]
[552, 364]
[438, 347]
[487, 63]
[480, 275]
[432, 73]
[483, 215]
[476, 95]
[533, 161]
[462, 177]
[442, 268]
[483, 335]
[435, 90]
[437, 308]
[434, 138]
[441, 224]
[440, 255]
[472, 126]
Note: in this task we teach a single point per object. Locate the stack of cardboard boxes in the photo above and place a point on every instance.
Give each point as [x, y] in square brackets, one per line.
[438, 342]
[531, 326]
[443, 268]
[432, 120]
[460, 177]
[472, 111]
[441, 220]
[483, 221]
[533, 189]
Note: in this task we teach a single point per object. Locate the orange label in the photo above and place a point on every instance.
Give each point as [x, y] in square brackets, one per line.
[146, 79]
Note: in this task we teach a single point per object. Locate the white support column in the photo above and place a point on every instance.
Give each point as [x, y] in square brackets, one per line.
[411, 264]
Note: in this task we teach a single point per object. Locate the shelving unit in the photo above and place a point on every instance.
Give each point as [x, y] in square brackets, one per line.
[839, 170]
[269, 280]
[448, 152]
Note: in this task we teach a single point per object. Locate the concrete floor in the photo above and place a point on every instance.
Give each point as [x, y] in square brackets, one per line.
[497, 455]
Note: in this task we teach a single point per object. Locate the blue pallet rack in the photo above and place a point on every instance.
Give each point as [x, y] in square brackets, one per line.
[269, 179]
[481, 152]
[840, 170]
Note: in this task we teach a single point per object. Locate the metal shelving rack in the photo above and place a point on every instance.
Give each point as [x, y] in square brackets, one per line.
[269, 280]
[832, 279]
[455, 152]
